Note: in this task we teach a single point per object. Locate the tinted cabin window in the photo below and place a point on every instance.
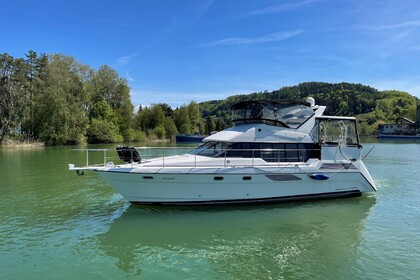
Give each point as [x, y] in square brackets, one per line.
[267, 152]
[291, 152]
[246, 153]
[274, 152]
[235, 150]
[279, 152]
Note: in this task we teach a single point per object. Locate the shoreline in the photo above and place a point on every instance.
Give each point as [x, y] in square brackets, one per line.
[12, 144]
[8, 143]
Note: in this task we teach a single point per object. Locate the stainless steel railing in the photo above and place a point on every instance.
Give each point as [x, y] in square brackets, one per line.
[158, 156]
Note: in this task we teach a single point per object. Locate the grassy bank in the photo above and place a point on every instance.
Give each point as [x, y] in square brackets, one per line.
[25, 144]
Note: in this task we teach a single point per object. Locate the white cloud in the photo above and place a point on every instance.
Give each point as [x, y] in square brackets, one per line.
[189, 16]
[281, 7]
[414, 23]
[129, 78]
[174, 98]
[273, 37]
[124, 60]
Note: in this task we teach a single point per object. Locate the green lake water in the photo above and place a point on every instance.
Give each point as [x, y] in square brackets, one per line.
[57, 225]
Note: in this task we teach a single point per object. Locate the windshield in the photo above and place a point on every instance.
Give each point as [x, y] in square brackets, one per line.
[287, 114]
[211, 149]
[336, 131]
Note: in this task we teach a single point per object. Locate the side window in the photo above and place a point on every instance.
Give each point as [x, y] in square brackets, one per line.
[220, 149]
[313, 151]
[279, 152]
[270, 152]
[250, 150]
[267, 152]
[234, 150]
[292, 154]
[302, 156]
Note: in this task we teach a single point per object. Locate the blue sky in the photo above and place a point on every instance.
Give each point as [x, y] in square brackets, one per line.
[175, 51]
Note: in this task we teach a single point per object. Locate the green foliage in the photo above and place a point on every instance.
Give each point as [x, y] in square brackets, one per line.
[220, 124]
[103, 126]
[58, 108]
[182, 120]
[102, 110]
[149, 118]
[341, 99]
[19, 79]
[102, 131]
[157, 121]
[170, 128]
[58, 100]
[167, 110]
[159, 132]
[105, 84]
[12, 96]
[396, 104]
[210, 124]
[138, 136]
[194, 115]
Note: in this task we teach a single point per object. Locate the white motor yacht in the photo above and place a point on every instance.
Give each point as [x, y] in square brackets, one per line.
[277, 150]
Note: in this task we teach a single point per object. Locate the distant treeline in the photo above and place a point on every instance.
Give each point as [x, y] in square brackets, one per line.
[57, 100]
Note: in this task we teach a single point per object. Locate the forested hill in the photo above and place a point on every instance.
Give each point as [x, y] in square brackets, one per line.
[340, 99]
[370, 106]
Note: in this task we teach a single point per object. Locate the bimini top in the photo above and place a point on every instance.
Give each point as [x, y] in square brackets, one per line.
[286, 113]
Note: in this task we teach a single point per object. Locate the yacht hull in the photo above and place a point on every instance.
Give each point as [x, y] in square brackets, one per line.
[225, 186]
[277, 150]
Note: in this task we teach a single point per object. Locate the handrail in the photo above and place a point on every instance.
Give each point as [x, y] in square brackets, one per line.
[93, 150]
[270, 156]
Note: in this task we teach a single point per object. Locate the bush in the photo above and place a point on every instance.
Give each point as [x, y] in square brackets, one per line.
[101, 131]
[138, 136]
[159, 131]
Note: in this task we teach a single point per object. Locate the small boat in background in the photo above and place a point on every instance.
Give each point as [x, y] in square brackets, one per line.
[195, 138]
[403, 129]
[399, 136]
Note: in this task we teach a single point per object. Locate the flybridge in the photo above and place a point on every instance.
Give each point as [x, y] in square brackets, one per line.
[284, 113]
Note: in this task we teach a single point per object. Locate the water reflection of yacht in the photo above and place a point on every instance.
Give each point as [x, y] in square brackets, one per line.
[277, 150]
[309, 238]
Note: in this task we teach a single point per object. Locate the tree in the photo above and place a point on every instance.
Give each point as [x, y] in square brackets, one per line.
[9, 95]
[182, 120]
[210, 125]
[194, 116]
[167, 110]
[14, 80]
[59, 117]
[102, 131]
[220, 124]
[103, 124]
[150, 117]
[35, 76]
[170, 128]
[49, 98]
[106, 84]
